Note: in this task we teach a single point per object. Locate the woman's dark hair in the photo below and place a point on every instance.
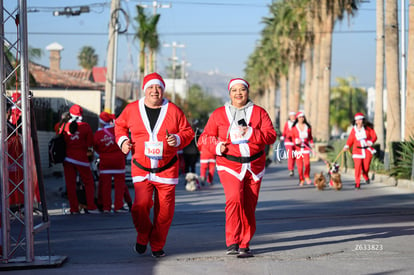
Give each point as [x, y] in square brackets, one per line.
[365, 122]
[73, 126]
[305, 121]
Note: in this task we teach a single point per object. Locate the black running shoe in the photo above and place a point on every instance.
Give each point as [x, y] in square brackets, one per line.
[140, 248]
[291, 173]
[233, 249]
[245, 253]
[158, 254]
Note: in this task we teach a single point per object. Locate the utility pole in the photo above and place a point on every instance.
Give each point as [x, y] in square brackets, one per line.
[174, 58]
[110, 59]
[155, 5]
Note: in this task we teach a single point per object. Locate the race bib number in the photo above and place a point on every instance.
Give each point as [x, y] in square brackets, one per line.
[236, 135]
[153, 149]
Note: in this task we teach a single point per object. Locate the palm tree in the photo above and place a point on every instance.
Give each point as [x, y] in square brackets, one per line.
[392, 73]
[146, 33]
[153, 41]
[409, 118]
[379, 77]
[330, 12]
[87, 58]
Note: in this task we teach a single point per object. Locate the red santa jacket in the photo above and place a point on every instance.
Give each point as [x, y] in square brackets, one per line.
[111, 158]
[245, 156]
[287, 133]
[303, 139]
[361, 141]
[77, 144]
[134, 121]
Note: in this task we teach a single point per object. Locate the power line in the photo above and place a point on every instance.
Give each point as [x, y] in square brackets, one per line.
[181, 33]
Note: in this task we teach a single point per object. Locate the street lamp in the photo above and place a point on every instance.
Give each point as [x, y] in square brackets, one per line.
[68, 11]
[174, 45]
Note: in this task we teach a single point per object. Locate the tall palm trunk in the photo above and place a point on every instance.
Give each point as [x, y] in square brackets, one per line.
[272, 99]
[392, 72]
[297, 79]
[283, 100]
[308, 80]
[322, 130]
[379, 77]
[409, 114]
[291, 83]
[316, 73]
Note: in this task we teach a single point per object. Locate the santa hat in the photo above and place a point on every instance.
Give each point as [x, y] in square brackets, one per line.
[300, 114]
[153, 79]
[292, 113]
[235, 81]
[76, 111]
[359, 116]
[106, 118]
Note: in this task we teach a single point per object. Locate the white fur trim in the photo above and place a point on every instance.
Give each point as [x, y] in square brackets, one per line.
[154, 82]
[359, 117]
[237, 81]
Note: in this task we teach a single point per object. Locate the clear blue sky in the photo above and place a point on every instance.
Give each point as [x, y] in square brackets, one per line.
[217, 34]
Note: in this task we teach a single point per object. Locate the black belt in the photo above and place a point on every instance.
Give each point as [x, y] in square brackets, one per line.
[244, 159]
[363, 147]
[158, 169]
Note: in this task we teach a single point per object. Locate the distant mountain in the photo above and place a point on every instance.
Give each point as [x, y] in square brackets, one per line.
[214, 82]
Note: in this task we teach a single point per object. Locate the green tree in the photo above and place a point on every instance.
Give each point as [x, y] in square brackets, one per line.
[198, 105]
[146, 34]
[87, 58]
[346, 100]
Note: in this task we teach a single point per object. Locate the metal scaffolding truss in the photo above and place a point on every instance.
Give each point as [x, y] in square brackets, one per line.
[19, 150]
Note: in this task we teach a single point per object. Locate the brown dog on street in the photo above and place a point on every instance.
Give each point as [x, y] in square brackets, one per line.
[319, 181]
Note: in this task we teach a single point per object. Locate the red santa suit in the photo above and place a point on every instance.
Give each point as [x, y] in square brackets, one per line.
[242, 167]
[289, 145]
[111, 164]
[77, 146]
[303, 146]
[361, 141]
[207, 161]
[154, 165]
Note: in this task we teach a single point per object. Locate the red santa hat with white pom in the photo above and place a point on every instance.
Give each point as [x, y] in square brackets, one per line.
[359, 116]
[153, 79]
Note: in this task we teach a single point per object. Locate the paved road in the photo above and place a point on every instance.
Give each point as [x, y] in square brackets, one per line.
[299, 231]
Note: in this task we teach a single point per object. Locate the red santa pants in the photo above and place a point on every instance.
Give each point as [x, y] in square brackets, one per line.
[86, 176]
[105, 190]
[241, 200]
[303, 160]
[361, 166]
[207, 167]
[291, 157]
[155, 232]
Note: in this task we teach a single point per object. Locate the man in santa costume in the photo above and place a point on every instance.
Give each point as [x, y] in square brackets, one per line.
[111, 165]
[288, 142]
[79, 147]
[154, 129]
[361, 139]
[237, 134]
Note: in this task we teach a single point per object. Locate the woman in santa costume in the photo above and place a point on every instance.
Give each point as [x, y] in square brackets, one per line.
[111, 165]
[288, 142]
[154, 129]
[302, 137]
[238, 133]
[361, 139]
[79, 147]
